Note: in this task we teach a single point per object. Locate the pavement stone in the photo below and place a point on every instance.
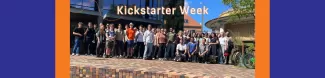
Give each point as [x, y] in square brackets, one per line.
[92, 67]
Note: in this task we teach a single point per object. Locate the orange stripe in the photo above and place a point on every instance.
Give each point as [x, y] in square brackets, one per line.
[262, 24]
[62, 44]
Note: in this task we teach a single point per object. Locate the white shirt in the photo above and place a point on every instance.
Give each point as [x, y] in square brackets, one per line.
[222, 40]
[139, 36]
[181, 47]
[148, 37]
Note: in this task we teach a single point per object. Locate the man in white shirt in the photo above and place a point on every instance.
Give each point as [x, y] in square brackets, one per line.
[148, 39]
[139, 45]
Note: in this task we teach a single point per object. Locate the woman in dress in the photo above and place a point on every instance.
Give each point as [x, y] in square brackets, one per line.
[214, 42]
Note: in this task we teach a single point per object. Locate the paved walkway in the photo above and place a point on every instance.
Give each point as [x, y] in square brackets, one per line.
[187, 68]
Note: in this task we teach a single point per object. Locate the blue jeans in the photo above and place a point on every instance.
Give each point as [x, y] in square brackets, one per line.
[170, 53]
[76, 46]
[220, 54]
[130, 43]
[148, 50]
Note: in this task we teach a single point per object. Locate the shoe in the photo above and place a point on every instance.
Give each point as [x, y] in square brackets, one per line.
[77, 54]
[73, 54]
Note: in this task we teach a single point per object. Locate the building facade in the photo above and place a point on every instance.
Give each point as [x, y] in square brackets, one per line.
[191, 24]
[243, 28]
[105, 11]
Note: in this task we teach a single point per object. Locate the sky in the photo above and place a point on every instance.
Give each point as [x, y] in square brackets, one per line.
[216, 7]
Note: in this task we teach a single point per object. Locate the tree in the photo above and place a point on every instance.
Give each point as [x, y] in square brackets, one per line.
[241, 8]
[175, 21]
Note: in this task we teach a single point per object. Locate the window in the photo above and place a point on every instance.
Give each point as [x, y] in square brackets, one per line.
[185, 21]
[107, 6]
[120, 2]
[88, 4]
[155, 5]
[83, 4]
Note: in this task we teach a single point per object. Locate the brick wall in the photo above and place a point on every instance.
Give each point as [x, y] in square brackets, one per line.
[107, 72]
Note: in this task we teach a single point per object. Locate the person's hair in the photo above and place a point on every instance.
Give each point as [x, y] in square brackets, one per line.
[227, 34]
[210, 35]
[204, 39]
[191, 38]
[180, 32]
[141, 25]
[111, 25]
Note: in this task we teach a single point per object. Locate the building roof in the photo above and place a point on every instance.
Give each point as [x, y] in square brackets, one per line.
[190, 21]
[224, 19]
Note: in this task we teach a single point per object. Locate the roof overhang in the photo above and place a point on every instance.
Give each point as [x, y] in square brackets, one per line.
[84, 11]
[131, 18]
[221, 21]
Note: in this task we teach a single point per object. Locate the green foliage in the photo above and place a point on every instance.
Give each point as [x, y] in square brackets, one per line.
[241, 8]
[175, 21]
[251, 47]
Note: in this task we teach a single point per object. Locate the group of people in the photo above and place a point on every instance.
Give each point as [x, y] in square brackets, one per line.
[152, 43]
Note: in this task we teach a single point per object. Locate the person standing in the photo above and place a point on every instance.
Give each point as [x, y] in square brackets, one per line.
[130, 34]
[119, 40]
[214, 43]
[90, 36]
[230, 46]
[110, 38]
[222, 40]
[125, 41]
[148, 39]
[78, 33]
[100, 41]
[96, 28]
[169, 54]
[140, 44]
[161, 38]
[156, 47]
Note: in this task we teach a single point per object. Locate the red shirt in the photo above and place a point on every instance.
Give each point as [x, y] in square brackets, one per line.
[130, 33]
